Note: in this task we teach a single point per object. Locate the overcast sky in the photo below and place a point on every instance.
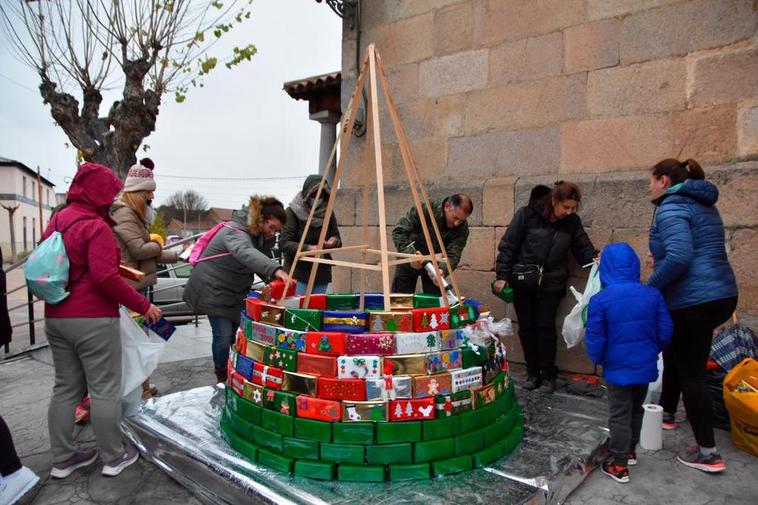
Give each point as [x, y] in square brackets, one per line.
[242, 124]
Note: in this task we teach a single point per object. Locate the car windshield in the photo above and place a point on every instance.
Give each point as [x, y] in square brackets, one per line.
[183, 271]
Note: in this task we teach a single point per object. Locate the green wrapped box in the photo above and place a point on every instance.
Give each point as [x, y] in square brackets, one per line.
[474, 358]
[489, 455]
[433, 450]
[247, 449]
[341, 453]
[472, 441]
[279, 357]
[423, 301]
[393, 433]
[360, 473]
[462, 316]
[297, 448]
[240, 426]
[275, 461]
[314, 470]
[353, 433]
[313, 430]
[409, 472]
[389, 454]
[303, 319]
[444, 427]
[452, 465]
[279, 401]
[341, 302]
[267, 439]
[477, 418]
[512, 440]
[243, 408]
[278, 423]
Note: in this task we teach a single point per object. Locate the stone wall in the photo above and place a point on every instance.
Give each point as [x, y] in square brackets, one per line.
[498, 95]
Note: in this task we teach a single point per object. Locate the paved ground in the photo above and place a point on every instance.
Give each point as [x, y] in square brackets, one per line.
[26, 383]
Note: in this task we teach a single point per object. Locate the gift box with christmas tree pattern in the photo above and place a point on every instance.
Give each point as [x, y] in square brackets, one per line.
[381, 321]
[331, 343]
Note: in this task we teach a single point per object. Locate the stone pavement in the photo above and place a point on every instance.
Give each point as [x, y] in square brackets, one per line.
[26, 384]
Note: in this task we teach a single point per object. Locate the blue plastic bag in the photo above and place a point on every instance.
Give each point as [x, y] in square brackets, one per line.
[46, 270]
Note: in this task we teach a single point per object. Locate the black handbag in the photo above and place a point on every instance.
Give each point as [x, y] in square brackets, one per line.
[527, 277]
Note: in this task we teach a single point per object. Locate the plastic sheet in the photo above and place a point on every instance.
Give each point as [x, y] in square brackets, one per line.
[179, 433]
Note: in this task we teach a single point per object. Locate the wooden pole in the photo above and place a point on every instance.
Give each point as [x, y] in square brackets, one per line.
[39, 203]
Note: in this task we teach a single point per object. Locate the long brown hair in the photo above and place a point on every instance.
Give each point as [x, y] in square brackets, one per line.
[678, 171]
[137, 201]
[564, 190]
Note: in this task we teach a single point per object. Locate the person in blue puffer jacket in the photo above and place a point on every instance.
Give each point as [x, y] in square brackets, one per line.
[628, 324]
[692, 270]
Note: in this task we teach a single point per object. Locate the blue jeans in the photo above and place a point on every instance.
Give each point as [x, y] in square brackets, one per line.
[223, 337]
[318, 287]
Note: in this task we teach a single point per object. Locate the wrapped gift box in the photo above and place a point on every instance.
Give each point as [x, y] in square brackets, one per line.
[342, 389]
[415, 343]
[268, 376]
[501, 383]
[240, 343]
[359, 367]
[475, 355]
[451, 339]
[300, 383]
[252, 392]
[412, 409]
[348, 321]
[453, 404]
[286, 359]
[462, 315]
[341, 301]
[232, 361]
[246, 324]
[279, 401]
[391, 387]
[244, 366]
[401, 301]
[408, 364]
[290, 339]
[432, 385]
[370, 343]
[321, 409]
[331, 343]
[364, 411]
[381, 321]
[468, 378]
[237, 382]
[274, 290]
[443, 361]
[264, 333]
[291, 302]
[483, 395]
[422, 300]
[303, 319]
[371, 301]
[317, 301]
[255, 350]
[264, 312]
[317, 364]
[431, 319]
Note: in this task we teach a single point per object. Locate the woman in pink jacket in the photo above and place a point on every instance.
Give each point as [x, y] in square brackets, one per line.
[83, 330]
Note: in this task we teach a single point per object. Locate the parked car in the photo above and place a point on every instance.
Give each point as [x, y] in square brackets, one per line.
[169, 289]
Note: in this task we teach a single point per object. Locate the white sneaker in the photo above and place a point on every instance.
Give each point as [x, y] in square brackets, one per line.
[16, 485]
[118, 465]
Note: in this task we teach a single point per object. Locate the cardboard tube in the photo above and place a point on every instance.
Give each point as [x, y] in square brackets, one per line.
[651, 435]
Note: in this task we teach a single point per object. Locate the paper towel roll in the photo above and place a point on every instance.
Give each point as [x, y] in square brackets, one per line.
[651, 435]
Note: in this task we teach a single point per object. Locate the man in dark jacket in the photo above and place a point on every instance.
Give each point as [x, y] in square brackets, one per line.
[450, 214]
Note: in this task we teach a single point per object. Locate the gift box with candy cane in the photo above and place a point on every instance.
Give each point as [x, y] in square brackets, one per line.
[359, 367]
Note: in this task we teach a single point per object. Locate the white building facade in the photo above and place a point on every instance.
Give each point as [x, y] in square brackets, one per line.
[19, 188]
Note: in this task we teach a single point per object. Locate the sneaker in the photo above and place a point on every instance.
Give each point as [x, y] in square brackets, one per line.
[16, 485]
[615, 472]
[548, 386]
[632, 459]
[693, 458]
[532, 382]
[118, 465]
[82, 411]
[669, 421]
[80, 459]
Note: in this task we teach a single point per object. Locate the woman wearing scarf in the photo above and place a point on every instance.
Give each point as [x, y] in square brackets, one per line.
[297, 216]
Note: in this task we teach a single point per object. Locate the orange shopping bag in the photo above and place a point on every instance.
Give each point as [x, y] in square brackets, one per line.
[741, 399]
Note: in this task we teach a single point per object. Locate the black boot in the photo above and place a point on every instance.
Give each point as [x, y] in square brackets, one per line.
[532, 382]
[548, 386]
[220, 375]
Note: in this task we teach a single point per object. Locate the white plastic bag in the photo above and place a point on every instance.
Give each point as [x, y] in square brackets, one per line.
[576, 321]
[139, 353]
[655, 388]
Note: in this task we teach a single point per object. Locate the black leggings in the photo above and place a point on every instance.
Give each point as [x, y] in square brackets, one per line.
[536, 331]
[9, 462]
[684, 364]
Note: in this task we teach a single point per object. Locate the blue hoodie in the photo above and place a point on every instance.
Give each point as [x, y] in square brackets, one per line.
[687, 244]
[627, 322]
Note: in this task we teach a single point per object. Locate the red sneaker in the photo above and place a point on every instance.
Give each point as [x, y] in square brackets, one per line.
[693, 458]
[615, 472]
[669, 421]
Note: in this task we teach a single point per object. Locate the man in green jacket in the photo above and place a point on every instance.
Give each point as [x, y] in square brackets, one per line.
[451, 214]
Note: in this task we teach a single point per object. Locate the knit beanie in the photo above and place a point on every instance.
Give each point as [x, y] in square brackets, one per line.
[140, 177]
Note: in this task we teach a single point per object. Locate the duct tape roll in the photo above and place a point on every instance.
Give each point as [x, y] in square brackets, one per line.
[651, 435]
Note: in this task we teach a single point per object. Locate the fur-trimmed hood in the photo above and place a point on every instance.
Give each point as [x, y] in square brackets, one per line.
[250, 215]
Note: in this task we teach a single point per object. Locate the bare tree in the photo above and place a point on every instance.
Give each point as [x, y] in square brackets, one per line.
[189, 202]
[12, 222]
[150, 47]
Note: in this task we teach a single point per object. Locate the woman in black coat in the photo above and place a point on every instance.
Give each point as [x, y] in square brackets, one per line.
[541, 234]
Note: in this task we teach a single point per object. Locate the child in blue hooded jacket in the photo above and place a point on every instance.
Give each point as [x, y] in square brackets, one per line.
[628, 324]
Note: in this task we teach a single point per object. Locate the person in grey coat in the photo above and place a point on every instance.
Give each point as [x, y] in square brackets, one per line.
[218, 286]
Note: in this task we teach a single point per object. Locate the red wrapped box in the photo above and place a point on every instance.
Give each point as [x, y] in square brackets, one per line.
[317, 301]
[412, 409]
[241, 344]
[316, 364]
[268, 376]
[331, 343]
[370, 343]
[318, 408]
[237, 381]
[263, 312]
[341, 389]
[431, 319]
[275, 289]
